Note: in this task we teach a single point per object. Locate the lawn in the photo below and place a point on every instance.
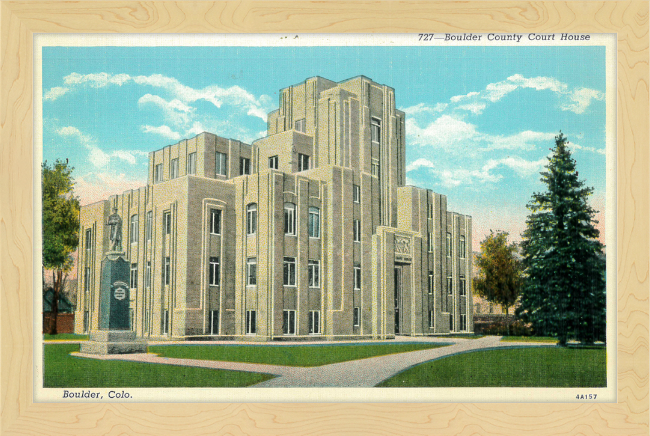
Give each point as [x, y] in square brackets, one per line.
[65, 371]
[65, 337]
[290, 355]
[544, 339]
[522, 367]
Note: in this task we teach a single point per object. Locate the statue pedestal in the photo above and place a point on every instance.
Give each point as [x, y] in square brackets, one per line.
[114, 335]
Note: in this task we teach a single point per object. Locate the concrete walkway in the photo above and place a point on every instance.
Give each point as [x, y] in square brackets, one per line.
[357, 373]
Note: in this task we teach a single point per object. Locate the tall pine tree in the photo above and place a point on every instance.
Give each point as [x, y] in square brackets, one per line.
[564, 263]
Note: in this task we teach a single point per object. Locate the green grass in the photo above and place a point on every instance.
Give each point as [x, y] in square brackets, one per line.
[462, 336]
[65, 371]
[522, 367]
[65, 337]
[289, 355]
[544, 339]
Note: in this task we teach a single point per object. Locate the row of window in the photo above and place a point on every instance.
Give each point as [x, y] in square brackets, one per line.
[461, 245]
[290, 227]
[173, 168]
[221, 164]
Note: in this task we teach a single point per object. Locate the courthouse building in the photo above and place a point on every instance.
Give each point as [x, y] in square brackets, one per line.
[307, 232]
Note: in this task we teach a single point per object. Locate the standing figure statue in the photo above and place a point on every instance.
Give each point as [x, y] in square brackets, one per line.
[115, 234]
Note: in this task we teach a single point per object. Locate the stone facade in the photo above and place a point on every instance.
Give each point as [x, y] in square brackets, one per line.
[307, 232]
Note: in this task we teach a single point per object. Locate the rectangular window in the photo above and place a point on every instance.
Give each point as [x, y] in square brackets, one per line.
[356, 317]
[221, 161]
[251, 219]
[451, 322]
[147, 275]
[375, 169]
[430, 211]
[357, 277]
[450, 285]
[289, 322]
[134, 275]
[461, 286]
[289, 218]
[313, 270]
[215, 221]
[191, 163]
[431, 240]
[314, 322]
[274, 162]
[303, 162]
[430, 283]
[251, 322]
[356, 193]
[251, 271]
[431, 325]
[167, 270]
[134, 229]
[158, 173]
[214, 322]
[149, 225]
[89, 242]
[87, 280]
[167, 223]
[463, 322]
[244, 166]
[173, 169]
[448, 244]
[289, 271]
[86, 320]
[356, 230]
[375, 130]
[214, 271]
[301, 125]
[165, 322]
[461, 247]
[314, 222]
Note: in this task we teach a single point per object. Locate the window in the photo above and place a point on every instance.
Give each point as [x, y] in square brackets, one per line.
[165, 322]
[289, 271]
[148, 225]
[86, 320]
[461, 286]
[167, 270]
[289, 218]
[251, 271]
[451, 322]
[356, 317]
[356, 193]
[450, 285]
[273, 162]
[289, 322]
[314, 322]
[461, 247]
[244, 166]
[173, 169]
[313, 270]
[220, 165]
[134, 275]
[158, 173]
[251, 322]
[214, 322]
[356, 230]
[303, 162]
[430, 283]
[215, 221]
[147, 275]
[375, 169]
[251, 219]
[214, 271]
[357, 277]
[375, 130]
[134, 229]
[301, 125]
[87, 280]
[431, 242]
[314, 222]
[191, 163]
[430, 211]
[167, 223]
[431, 324]
[448, 244]
[89, 242]
[463, 322]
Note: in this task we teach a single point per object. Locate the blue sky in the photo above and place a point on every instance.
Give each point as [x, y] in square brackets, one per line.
[480, 120]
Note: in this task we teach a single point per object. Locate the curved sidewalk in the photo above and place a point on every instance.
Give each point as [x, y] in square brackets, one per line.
[356, 373]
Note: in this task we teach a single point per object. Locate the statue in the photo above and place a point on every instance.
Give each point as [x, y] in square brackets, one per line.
[115, 233]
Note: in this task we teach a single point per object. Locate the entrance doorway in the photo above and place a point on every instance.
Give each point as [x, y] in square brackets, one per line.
[398, 297]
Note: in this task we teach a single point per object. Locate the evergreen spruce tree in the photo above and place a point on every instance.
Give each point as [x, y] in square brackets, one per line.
[564, 263]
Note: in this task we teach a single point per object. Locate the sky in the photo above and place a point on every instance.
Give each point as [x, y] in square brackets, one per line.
[480, 121]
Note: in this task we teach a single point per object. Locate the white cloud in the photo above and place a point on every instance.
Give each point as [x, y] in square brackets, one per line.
[165, 131]
[457, 98]
[196, 129]
[419, 163]
[98, 157]
[96, 186]
[55, 93]
[581, 99]
[575, 146]
[525, 140]
[422, 108]
[445, 132]
[476, 108]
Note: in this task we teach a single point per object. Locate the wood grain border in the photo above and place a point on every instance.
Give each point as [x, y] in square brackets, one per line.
[21, 20]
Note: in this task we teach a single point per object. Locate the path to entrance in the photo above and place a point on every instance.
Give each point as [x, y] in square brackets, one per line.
[356, 373]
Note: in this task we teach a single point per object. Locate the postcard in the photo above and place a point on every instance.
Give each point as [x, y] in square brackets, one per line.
[369, 218]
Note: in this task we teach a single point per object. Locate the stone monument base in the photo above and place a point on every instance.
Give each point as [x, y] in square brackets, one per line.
[113, 342]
